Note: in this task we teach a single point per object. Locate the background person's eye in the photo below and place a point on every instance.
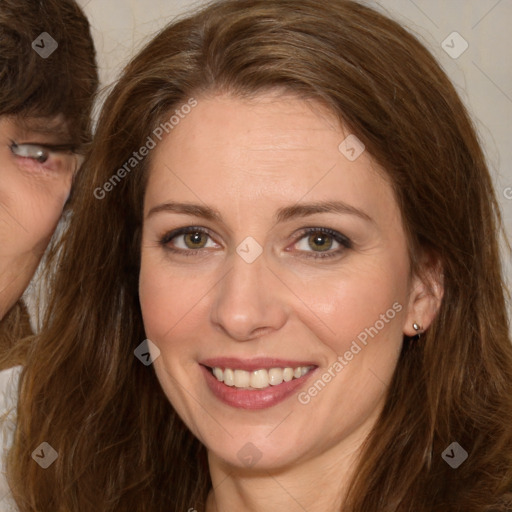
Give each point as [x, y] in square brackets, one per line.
[57, 158]
[39, 153]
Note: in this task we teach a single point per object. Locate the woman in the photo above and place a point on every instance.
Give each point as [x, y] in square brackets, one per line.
[286, 210]
[48, 79]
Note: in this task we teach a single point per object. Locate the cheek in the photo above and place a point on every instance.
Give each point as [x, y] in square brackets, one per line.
[31, 210]
[166, 300]
[172, 312]
[41, 218]
[153, 297]
[361, 304]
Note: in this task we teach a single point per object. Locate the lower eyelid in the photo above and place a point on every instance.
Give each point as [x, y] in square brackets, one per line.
[32, 162]
[52, 164]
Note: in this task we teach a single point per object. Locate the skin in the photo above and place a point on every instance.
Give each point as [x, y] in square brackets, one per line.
[32, 196]
[247, 159]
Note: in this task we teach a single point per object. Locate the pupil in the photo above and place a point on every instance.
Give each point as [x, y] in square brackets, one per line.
[319, 240]
[41, 155]
[195, 238]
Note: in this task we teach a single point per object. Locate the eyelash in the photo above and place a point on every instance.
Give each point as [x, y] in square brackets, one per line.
[338, 237]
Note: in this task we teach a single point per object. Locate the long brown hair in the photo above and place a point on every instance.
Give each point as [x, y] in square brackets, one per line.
[121, 446]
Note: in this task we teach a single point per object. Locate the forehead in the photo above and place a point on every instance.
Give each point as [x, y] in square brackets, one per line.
[255, 136]
[260, 153]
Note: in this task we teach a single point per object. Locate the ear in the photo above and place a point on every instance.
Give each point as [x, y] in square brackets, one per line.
[425, 295]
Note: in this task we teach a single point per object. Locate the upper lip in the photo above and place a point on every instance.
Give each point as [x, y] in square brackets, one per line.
[256, 363]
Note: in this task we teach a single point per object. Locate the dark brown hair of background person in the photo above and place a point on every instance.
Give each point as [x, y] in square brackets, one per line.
[121, 446]
[34, 90]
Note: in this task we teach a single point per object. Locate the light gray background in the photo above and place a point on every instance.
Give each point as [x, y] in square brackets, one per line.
[482, 74]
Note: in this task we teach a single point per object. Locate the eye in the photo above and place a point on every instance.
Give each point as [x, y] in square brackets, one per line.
[323, 239]
[38, 153]
[55, 158]
[192, 239]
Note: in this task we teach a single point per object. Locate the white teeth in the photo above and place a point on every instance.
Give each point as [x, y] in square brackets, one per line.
[242, 378]
[275, 376]
[259, 379]
[229, 377]
[288, 374]
[219, 374]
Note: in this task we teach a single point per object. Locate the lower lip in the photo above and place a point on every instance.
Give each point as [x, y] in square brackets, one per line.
[253, 399]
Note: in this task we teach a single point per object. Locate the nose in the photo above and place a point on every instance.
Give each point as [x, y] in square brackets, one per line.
[249, 301]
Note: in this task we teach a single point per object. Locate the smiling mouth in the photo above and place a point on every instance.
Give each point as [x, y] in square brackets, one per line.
[258, 379]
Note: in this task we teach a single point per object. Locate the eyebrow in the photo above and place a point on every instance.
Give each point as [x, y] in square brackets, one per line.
[283, 214]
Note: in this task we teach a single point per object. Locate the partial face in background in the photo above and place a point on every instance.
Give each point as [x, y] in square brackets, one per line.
[35, 182]
[253, 304]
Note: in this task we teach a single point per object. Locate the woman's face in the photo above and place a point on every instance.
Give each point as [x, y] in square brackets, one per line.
[271, 253]
[32, 195]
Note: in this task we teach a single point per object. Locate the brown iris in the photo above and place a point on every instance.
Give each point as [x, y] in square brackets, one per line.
[320, 241]
[195, 240]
